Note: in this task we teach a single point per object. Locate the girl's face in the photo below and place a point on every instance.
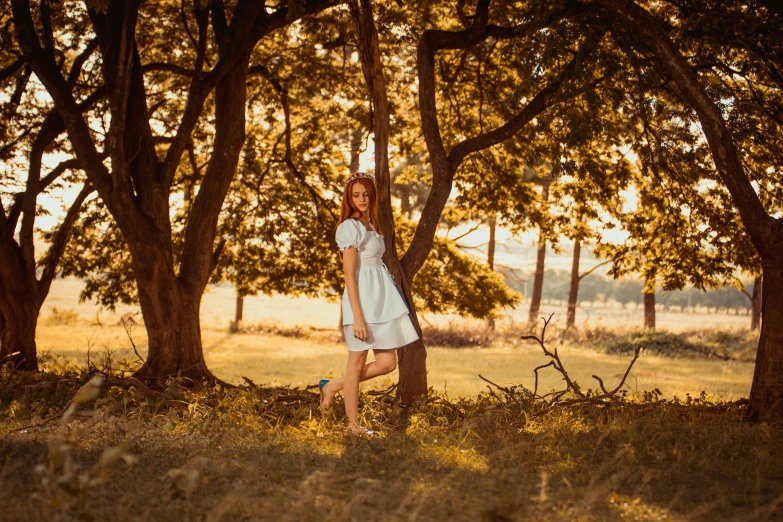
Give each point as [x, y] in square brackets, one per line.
[360, 197]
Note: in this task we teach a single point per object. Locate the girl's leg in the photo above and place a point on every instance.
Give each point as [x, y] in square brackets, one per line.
[356, 361]
[385, 362]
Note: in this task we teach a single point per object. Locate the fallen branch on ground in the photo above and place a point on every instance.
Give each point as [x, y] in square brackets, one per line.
[571, 385]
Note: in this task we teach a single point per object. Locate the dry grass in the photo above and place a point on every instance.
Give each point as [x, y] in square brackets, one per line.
[266, 454]
[273, 359]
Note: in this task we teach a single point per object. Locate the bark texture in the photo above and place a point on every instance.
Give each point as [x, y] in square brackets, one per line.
[765, 231]
[20, 312]
[755, 304]
[766, 394]
[413, 357]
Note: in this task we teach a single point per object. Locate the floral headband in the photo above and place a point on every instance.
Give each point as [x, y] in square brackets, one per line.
[359, 175]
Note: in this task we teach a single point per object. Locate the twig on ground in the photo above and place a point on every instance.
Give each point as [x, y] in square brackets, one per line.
[45, 421]
[128, 326]
[571, 386]
[556, 363]
[596, 399]
[387, 391]
[509, 393]
[250, 383]
[133, 381]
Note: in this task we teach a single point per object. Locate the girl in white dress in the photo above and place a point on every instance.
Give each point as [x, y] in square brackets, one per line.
[375, 316]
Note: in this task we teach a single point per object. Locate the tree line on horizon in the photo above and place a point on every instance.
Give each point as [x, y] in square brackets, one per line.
[208, 142]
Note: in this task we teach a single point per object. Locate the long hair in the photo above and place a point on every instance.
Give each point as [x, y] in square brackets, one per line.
[348, 209]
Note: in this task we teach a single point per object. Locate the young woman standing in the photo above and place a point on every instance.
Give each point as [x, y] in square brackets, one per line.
[375, 316]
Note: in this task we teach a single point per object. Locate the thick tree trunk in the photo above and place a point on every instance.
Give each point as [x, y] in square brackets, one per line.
[491, 259]
[649, 310]
[573, 290]
[171, 302]
[17, 344]
[766, 394]
[171, 317]
[755, 307]
[413, 357]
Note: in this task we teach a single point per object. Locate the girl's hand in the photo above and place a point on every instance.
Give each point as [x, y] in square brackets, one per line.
[360, 329]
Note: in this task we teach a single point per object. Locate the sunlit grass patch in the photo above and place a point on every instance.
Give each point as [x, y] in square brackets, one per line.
[267, 453]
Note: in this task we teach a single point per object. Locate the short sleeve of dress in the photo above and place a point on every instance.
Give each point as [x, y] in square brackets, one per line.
[348, 235]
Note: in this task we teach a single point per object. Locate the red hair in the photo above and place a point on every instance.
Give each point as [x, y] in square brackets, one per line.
[348, 210]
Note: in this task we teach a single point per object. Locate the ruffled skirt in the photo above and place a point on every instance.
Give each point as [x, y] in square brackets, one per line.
[383, 336]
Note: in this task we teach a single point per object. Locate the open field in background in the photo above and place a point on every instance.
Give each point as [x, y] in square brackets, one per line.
[217, 311]
[272, 359]
[269, 358]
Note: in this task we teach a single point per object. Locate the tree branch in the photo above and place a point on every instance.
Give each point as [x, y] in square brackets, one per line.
[48, 72]
[60, 240]
[11, 69]
[594, 269]
[647, 32]
[445, 166]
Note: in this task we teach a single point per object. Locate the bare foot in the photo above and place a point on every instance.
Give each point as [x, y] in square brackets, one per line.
[356, 429]
[327, 396]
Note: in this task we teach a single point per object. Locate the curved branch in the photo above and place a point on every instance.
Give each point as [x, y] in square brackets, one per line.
[445, 166]
[596, 267]
[60, 240]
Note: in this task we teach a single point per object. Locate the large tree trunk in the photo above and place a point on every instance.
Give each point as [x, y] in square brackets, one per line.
[766, 397]
[649, 310]
[17, 335]
[171, 302]
[171, 317]
[755, 304]
[766, 394]
[491, 259]
[412, 358]
[573, 289]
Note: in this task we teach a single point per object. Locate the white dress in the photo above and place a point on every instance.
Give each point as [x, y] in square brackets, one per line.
[384, 310]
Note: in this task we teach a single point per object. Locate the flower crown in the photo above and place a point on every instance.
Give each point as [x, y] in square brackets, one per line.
[359, 175]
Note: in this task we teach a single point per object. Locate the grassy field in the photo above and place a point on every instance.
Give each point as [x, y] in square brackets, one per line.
[266, 453]
[315, 353]
[217, 311]
[272, 359]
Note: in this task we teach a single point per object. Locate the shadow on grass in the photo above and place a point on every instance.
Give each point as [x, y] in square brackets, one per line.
[266, 454]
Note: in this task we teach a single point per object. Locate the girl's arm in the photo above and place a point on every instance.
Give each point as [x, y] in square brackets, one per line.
[349, 265]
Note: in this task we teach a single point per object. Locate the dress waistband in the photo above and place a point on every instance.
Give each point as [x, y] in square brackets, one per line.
[388, 271]
[384, 266]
